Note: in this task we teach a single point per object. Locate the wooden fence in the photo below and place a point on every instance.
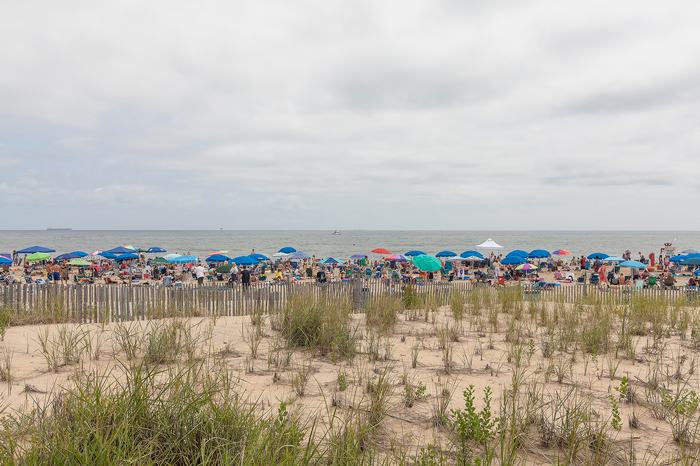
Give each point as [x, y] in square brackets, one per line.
[104, 303]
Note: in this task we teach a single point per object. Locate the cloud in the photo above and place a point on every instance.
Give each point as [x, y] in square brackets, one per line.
[397, 114]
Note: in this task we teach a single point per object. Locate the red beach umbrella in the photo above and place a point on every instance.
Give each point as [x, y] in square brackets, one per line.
[381, 251]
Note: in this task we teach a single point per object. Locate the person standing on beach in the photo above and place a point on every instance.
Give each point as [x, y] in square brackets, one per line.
[199, 273]
[245, 276]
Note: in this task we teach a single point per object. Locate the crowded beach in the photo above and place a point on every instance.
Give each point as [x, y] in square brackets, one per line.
[487, 264]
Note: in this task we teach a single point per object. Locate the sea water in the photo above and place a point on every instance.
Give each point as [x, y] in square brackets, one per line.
[323, 244]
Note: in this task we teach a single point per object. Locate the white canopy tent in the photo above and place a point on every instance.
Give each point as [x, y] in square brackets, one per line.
[489, 244]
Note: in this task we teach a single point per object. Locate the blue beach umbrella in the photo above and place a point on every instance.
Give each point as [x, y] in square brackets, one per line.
[633, 264]
[331, 260]
[155, 249]
[692, 261]
[513, 260]
[125, 256]
[445, 254]
[517, 253]
[217, 258]
[472, 253]
[119, 250]
[80, 253]
[66, 256]
[244, 260]
[108, 255]
[287, 250]
[598, 255]
[34, 249]
[259, 257]
[613, 259]
[183, 259]
[538, 254]
[414, 253]
[297, 256]
[679, 258]
[5, 261]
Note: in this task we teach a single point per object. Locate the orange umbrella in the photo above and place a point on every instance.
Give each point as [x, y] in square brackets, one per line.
[217, 252]
[561, 252]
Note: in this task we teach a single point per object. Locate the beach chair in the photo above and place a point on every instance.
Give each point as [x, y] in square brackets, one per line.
[652, 282]
[558, 276]
[638, 285]
[594, 279]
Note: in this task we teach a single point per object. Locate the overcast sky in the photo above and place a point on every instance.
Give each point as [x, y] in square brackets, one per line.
[392, 114]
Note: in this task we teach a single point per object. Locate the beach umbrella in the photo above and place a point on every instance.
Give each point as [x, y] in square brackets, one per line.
[538, 254]
[613, 259]
[79, 253]
[598, 255]
[126, 256]
[414, 253]
[517, 253]
[160, 260]
[692, 261]
[259, 257]
[689, 251]
[525, 267]
[513, 260]
[244, 260]
[489, 244]
[217, 258]
[445, 254]
[633, 264]
[64, 257]
[120, 250]
[472, 253]
[171, 256]
[297, 256]
[216, 252]
[79, 261]
[455, 259]
[380, 251]
[93, 257]
[472, 258]
[331, 260]
[183, 259]
[5, 261]
[287, 250]
[39, 256]
[108, 255]
[34, 249]
[279, 255]
[226, 268]
[427, 263]
[155, 249]
[398, 258]
[679, 258]
[561, 252]
[358, 256]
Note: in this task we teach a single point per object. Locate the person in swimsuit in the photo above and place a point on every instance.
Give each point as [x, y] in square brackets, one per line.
[56, 272]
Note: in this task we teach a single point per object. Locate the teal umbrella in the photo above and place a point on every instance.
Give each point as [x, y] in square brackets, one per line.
[427, 263]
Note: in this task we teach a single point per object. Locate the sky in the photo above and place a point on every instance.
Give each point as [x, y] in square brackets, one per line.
[399, 114]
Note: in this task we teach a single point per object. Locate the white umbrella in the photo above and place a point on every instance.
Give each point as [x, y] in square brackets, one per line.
[93, 258]
[279, 254]
[489, 244]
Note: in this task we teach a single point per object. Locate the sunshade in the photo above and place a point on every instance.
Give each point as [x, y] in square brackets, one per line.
[216, 252]
[34, 249]
[598, 255]
[455, 259]
[226, 268]
[120, 250]
[183, 259]
[445, 254]
[489, 244]
[108, 255]
[331, 260]
[380, 251]
[160, 260]
[517, 253]
[259, 257]
[79, 253]
[525, 267]
[78, 261]
[692, 261]
[296, 256]
[244, 260]
[5, 261]
[64, 257]
[414, 253]
[538, 254]
[613, 259]
[287, 250]
[93, 257]
[680, 258]
[472, 258]
[155, 249]
[689, 251]
[358, 256]
[633, 264]
[39, 256]
[427, 263]
[398, 258]
[126, 256]
[171, 256]
[279, 255]
[472, 253]
[513, 260]
[217, 258]
[561, 252]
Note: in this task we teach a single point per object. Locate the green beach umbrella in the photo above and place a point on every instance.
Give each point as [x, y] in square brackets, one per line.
[78, 262]
[39, 256]
[226, 268]
[160, 260]
[427, 263]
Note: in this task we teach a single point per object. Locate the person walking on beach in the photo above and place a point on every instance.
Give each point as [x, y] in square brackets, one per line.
[245, 276]
[199, 273]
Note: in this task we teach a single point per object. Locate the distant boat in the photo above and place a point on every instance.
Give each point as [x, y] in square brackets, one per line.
[336, 232]
[64, 229]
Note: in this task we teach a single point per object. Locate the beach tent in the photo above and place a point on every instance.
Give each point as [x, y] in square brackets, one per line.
[414, 253]
[472, 253]
[489, 244]
[34, 249]
[445, 254]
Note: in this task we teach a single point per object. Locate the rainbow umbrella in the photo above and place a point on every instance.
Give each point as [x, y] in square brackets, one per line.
[525, 267]
[561, 252]
[397, 258]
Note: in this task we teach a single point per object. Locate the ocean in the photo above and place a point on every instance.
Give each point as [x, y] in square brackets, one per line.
[324, 244]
